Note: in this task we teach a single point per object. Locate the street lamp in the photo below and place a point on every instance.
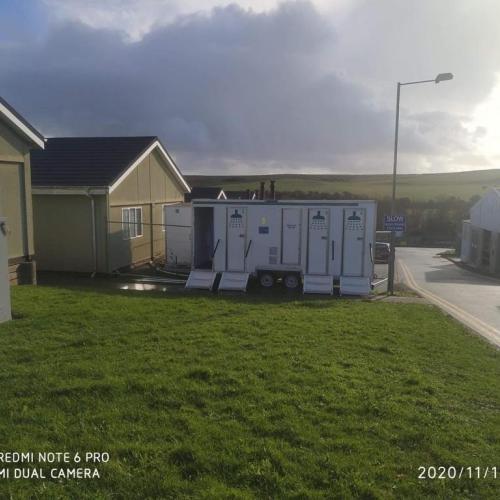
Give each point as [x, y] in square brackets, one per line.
[392, 257]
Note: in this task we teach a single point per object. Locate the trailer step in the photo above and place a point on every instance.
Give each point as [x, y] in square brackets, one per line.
[234, 281]
[354, 285]
[314, 283]
[203, 280]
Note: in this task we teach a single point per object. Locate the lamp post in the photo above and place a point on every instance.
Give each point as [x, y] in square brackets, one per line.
[392, 256]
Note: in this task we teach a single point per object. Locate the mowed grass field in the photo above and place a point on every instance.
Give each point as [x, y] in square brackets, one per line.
[204, 396]
[421, 187]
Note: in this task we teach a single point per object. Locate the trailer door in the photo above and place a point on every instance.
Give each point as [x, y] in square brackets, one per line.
[290, 246]
[236, 238]
[354, 242]
[317, 241]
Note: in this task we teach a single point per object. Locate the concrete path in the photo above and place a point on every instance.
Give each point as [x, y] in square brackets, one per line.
[469, 297]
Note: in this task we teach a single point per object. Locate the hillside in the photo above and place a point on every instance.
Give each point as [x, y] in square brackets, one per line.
[418, 187]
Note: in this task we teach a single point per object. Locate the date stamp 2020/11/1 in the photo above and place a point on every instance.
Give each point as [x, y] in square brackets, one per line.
[463, 472]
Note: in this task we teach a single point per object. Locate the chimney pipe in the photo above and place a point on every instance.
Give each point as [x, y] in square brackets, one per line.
[272, 193]
[262, 190]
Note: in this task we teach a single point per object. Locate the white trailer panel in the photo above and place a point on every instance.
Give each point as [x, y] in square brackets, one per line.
[290, 253]
[263, 238]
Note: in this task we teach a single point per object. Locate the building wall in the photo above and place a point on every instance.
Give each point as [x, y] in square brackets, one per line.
[465, 249]
[101, 227]
[12, 146]
[491, 251]
[476, 246]
[149, 186]
[495, 253]
[481, 236]
[16, 204]
[13, 207]
[64, 234]
[63, 223]
[125, 252]
[486, 212]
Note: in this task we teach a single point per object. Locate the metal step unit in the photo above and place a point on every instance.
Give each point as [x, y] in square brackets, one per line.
[203, 280]
[353, 285]
[234, 281]
[314, 283]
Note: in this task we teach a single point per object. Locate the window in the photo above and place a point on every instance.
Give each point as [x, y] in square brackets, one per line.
[131, 222]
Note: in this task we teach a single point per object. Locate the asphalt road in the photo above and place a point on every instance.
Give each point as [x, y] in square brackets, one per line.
[471, 298]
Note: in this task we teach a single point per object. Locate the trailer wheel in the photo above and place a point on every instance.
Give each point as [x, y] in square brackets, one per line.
[291, 281]
[266, 280]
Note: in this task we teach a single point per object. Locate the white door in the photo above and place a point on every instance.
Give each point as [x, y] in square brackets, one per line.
[236, 238]
[317, 245]
[291, 236]
[354, 242]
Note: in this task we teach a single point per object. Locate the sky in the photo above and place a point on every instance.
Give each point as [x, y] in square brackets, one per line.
[262, 86]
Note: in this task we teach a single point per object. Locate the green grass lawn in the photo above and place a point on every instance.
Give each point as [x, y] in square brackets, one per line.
[199, 396]
[421, 187]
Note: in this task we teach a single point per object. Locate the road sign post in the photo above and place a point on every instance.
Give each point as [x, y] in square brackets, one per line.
[394, 224]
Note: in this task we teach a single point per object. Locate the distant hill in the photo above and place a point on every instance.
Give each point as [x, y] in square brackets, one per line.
[417, 187]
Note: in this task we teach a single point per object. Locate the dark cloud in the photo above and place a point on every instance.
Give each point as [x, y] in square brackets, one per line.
[227, 89]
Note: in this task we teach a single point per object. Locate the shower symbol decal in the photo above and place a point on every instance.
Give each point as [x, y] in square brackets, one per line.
[318, 221]
[236, 219]
[354, 222]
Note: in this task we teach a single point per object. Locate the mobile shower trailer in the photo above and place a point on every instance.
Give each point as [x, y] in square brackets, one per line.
[315, 242]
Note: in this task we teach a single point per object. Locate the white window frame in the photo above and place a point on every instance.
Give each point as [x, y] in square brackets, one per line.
[130, 230]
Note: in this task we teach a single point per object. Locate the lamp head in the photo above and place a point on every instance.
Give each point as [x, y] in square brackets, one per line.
[443, 77]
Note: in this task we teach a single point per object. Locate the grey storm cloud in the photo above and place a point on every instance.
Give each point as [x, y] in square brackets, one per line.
[229, 87]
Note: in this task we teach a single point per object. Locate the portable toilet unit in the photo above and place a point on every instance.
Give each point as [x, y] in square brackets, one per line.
[316, 242]
[5, 313]
[177, 221]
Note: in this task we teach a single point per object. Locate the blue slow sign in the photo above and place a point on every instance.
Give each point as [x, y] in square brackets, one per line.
[395, 223]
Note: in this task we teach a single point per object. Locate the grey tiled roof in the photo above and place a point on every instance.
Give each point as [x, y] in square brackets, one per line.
[85, 161]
